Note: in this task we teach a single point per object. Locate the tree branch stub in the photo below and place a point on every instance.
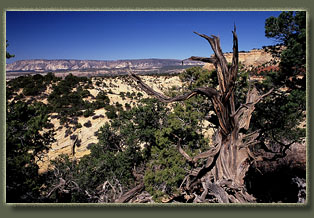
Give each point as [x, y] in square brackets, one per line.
[230, 157]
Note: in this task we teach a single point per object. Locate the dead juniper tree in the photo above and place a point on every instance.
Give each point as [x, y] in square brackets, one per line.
[230, 156]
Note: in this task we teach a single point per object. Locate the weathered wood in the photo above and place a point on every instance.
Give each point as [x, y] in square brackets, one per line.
[203, 59]
[230, 157]
[130, 194]
[208, 91]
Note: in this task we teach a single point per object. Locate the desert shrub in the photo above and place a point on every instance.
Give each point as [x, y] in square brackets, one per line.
[98, 83]
[24, 143]
[139, 95]
[73, 137]
[102, 100]
[88, 124]
[68, 132]
[111, 112]
[122, 95]
[88, 113]
[90, 145]
[78, 125]
[104, 164]
[127, 106]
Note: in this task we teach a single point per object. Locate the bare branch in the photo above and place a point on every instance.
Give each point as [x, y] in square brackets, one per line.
[130, 194]
[235, 57]
[180, 149]
[217, 191]
[206, 154]
[283, 151]
[222, 62]
[203, 59]
[209, 92]
[61, 183]
[246, 110]
[249, 139]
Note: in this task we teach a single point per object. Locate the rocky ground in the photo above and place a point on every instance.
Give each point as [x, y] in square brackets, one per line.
[286, 173]
[291, 168]
[86, 135]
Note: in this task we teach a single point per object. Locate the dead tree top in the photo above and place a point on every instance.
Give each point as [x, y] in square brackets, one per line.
[222, 97]
[230, 156]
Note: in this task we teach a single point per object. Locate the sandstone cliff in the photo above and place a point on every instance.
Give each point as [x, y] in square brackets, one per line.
[253, 58]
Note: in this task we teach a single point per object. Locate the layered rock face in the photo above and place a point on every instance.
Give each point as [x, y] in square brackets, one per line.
[55, 65]
[253, 58]
[90, 68]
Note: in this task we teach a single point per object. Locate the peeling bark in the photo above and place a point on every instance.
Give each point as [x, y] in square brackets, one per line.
[229, 158]
[130, 194]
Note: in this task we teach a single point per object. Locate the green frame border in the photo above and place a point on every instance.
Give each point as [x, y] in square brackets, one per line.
[80, 210]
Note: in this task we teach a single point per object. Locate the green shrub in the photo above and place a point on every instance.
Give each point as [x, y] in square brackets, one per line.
[88, 113]
[78, 125]
[111, 112]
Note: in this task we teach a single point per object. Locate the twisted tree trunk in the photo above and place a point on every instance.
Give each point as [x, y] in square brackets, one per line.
[229, 158]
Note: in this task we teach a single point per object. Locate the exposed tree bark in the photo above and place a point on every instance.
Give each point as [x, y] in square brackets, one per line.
[130, 194]
[230, 157]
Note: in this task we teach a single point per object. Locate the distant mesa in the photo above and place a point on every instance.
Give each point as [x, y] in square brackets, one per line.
[96, 67]
[63, 67]
[55, 65]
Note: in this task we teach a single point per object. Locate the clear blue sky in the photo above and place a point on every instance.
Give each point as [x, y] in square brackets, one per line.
[113, 35]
